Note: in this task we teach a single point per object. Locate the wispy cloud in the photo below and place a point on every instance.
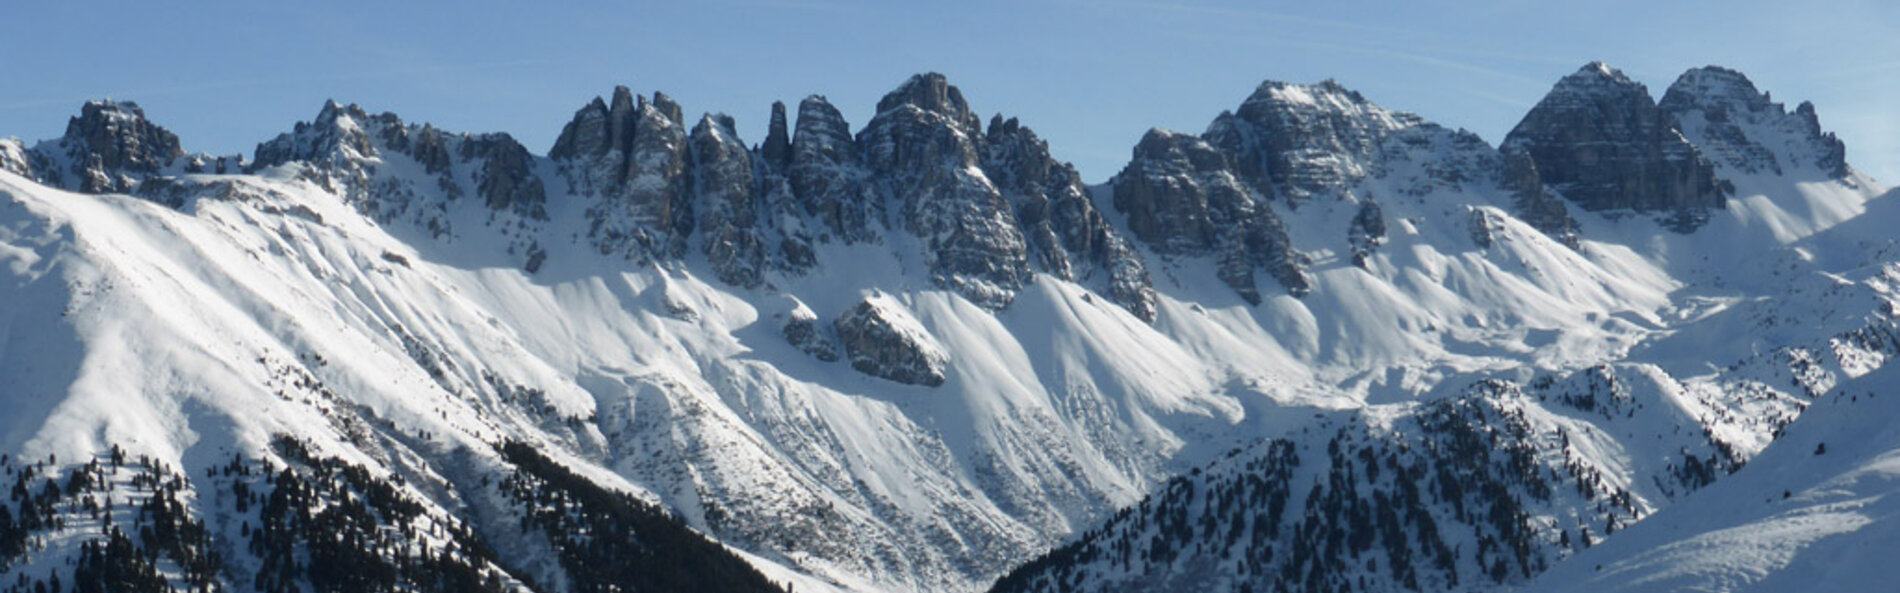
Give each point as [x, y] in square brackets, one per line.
[1444, 44]
[281, 80]
[1860, 70]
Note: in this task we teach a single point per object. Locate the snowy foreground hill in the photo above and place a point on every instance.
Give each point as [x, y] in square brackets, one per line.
[1320, 346]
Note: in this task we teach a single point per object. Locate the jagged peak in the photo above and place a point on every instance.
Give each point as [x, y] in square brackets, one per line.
[1597, 75]
[1001, 125]
[100, 119]
[814, 105]
[107, 148]
[622, 97]
[719, 124]
[1321, 93]
[334, 112]
[929, 91]
[607, 124]
[815, 113]
[98, 109]
[1276, 100]
[1715, 87]
[665, 106]
[821, 128]
[1160, 144]
[778, 138]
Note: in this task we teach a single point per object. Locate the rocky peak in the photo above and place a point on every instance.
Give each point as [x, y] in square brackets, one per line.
[1301, 141]
[1601, 141]
[924, 143]
[111, 146]
[932, 93]
[1182, 197]
[631, 153]
[338, 132]
[778, 142]
[119, 133]
[1741, 128]
[666, 107]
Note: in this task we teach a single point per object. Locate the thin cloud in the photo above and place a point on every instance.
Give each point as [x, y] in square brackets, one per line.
[265, 81]
[1342, 25]
[1860, 70]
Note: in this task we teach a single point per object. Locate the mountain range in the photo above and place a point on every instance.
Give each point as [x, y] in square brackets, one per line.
[1321, 345]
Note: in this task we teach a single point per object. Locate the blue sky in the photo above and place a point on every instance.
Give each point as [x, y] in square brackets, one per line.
[1089, 76]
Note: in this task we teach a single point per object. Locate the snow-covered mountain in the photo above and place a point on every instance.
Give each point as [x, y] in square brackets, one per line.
[1321, 344]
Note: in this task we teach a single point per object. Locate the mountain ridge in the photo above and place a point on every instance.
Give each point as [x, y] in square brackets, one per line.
[906, 357]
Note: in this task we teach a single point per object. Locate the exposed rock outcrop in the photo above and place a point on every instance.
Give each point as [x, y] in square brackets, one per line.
[801, 330]
[1367, 232]
[1602, 142]
[1533, 202]
[1068, 238]
[506, 178]
[1182, 197]
[883, 340]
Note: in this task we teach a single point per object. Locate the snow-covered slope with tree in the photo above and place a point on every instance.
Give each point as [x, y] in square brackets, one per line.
[1815, 512]
[907, 358]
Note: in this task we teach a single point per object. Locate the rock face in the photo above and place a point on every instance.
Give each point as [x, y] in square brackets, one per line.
[1601, 141]
[923, 144]
[1534, 202]
[631, 154]
[1741, 129]
[828, 177]
[1068, 238]
[882, 340]
[723, 186]
[1182, 197]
